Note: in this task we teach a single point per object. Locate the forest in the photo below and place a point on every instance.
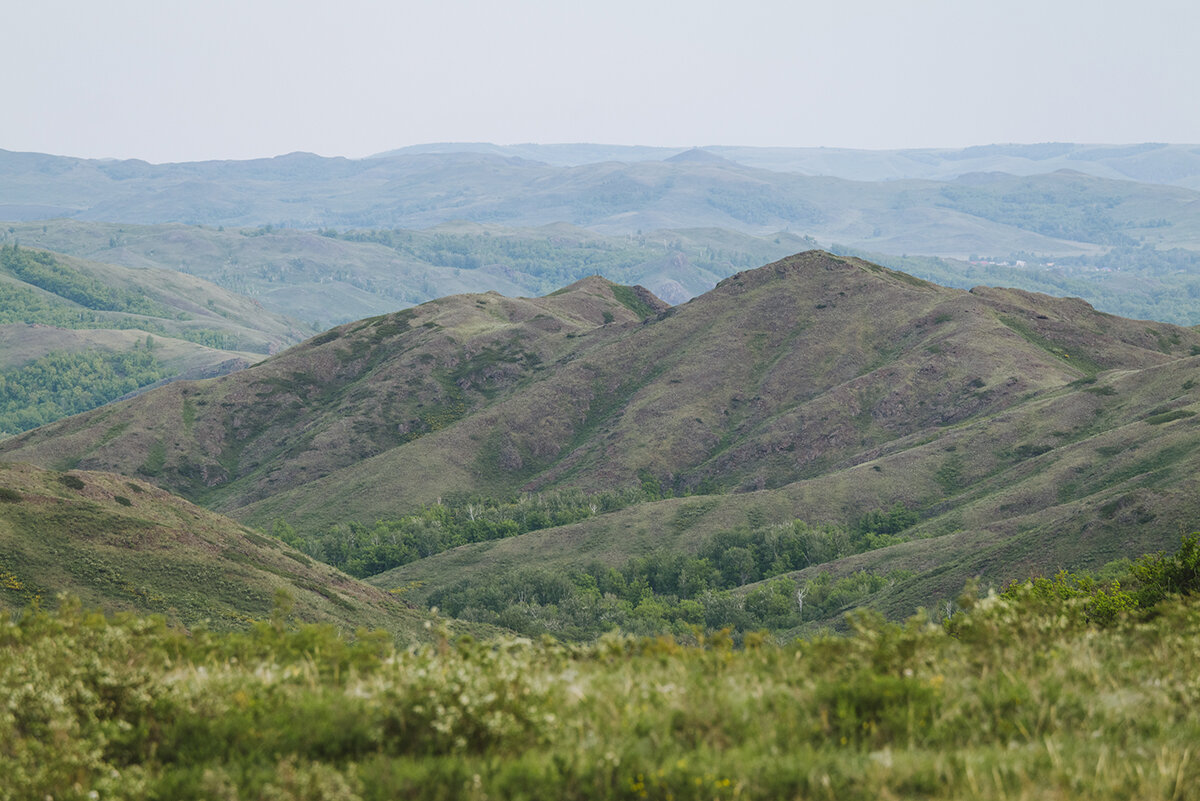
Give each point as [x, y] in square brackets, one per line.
[61, 384]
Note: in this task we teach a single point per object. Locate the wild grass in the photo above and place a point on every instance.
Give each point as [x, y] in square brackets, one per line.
[1020, 696]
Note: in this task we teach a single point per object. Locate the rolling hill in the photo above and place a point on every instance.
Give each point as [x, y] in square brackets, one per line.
[1063, 212]
[1020, 432]
[346, 395]
[335, 277]
[124, 545]
[75, 334]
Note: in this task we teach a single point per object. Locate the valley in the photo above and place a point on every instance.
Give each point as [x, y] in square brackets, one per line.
[866, 426]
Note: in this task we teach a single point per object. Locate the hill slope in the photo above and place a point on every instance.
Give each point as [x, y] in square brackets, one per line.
[125, 545]
[76, 334]
[811, 365]
[353, 392]
[1016, 431]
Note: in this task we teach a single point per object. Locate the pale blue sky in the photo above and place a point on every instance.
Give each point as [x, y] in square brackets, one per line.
[180, 81]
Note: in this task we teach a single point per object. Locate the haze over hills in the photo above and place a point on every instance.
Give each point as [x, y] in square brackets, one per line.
[1062, 212]
[1023, 432]
[1177, 164]
[335, 278]
[75, 334]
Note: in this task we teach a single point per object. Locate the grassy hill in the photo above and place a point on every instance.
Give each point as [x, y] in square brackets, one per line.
[77, 334]
[336, 277]
[346, 395]
[124, 545]
[779, 374]
[1013, 432]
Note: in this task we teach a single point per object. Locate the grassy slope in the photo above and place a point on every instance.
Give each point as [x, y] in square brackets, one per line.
[126, 545]
[780, 374]
[1110, 485]
[332, 280]
[185, 304]
[836, 386]
[79, 307]
[339, 398]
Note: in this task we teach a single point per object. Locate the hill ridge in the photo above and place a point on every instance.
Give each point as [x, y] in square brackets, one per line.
[807, 365]
[1006, 427]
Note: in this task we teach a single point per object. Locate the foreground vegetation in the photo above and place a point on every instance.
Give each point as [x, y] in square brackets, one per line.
[1029, 694]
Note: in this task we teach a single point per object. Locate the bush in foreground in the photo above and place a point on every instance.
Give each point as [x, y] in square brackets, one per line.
[1024, 695]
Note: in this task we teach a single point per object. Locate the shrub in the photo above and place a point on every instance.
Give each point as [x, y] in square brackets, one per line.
[1160, 576]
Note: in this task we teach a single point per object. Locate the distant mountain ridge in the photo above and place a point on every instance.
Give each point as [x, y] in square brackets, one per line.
[1058, 210]
[1175, 164]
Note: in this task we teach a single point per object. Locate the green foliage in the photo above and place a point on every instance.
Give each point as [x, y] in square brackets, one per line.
[884, 522]
[627, 297]
[1167, 417]
[61, 384]
[71, 482]
[1160, 576]
[42, 270]
[363, 550]
[668, 592]
[1098, 602]
[1017, 697]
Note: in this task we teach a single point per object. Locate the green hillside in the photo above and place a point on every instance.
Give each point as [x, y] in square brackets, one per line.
[346, 395]
[337, 276]
[125, 545]
[780, 374]
[78, 334]
[820, 423]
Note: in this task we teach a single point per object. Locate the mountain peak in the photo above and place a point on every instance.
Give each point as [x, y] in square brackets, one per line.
[698, 155]
[814, 262]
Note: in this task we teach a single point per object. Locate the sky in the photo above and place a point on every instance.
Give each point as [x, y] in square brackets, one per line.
[178, 80]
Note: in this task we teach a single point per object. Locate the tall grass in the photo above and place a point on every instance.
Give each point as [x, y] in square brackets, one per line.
[1018, 696]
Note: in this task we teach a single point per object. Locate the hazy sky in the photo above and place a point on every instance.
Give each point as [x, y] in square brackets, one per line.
[177, 80]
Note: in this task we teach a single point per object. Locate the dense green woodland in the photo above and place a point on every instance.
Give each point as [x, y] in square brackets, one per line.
[61, 384]
[1065, 688]
[664, 592]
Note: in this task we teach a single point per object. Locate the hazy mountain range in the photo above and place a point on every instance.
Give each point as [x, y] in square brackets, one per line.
[1059, 212]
